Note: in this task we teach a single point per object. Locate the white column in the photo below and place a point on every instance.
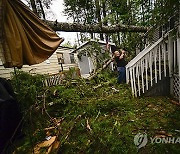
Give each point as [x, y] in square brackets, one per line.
[142, 73]
[146, 68]
[150, 65]
[170, 55]
[160, 50]
[170, 60]
[127, 75]
[164, 57]
[134, 81]
[137, 75]
[155, 62]
[131, 79]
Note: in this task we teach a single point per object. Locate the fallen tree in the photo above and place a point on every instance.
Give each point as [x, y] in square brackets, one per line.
[96, 28]
[104, 66]
[90, 28]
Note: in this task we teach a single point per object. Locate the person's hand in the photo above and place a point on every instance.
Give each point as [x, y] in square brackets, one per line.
[122, 56]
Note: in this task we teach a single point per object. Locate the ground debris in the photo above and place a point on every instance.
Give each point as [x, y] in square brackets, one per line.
[52, 144]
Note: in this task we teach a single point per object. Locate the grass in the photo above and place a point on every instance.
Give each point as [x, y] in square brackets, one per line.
[107, 121]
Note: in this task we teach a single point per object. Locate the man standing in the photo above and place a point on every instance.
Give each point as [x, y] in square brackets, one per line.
[121, 63]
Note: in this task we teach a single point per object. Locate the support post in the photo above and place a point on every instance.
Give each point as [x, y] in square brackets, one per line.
[170, 60]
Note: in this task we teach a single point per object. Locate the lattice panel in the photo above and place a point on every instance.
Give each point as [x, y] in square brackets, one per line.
[176, 86]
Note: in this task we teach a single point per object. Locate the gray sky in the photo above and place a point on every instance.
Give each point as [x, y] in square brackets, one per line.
[57, 8]
[56, 12]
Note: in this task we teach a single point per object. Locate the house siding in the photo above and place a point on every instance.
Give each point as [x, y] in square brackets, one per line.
[43, 68]
[86, 63]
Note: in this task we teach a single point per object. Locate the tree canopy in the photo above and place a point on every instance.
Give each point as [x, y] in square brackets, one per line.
[112, 20]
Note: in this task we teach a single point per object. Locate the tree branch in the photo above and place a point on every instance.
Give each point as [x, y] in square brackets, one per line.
[76, 27]
[100, 69]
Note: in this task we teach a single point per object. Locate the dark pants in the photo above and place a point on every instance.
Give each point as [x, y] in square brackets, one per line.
[121, 74]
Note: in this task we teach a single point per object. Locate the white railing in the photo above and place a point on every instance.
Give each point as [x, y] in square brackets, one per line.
[148, 66]
[158, 60]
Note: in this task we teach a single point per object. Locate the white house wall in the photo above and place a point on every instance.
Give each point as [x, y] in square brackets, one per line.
[66, 55]
[86, 63]
[43, 68]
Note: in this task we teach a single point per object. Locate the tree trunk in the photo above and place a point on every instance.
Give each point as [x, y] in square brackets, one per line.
[33, 5]
[98, 16]
[42, 10]
[118, 33]
[90, 28]
[104, 16]
[76, 27]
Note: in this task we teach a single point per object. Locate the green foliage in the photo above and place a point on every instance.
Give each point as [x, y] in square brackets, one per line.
[67, 44]
[149, 13]
[27, 88]
[109, 117]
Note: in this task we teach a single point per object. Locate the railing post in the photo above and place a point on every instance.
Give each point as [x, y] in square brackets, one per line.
[160, 50]
[131, 78]
[170, 55]
[164, 57]
[146, 68]
[150, 65]
[137, 75]
[170, 60]
[127, 75]
[134, 82]
[142, 74]
[155, 62]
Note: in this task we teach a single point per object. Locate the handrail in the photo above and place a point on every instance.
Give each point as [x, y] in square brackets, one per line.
[143, 53]
[146, 50]
[152, 64]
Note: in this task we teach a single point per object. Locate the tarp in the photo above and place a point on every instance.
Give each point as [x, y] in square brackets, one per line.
[24, 38]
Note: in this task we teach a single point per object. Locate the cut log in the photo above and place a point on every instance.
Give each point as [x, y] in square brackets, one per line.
[94, 28]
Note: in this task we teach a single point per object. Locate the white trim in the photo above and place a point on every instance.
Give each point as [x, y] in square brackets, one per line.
[170, 55]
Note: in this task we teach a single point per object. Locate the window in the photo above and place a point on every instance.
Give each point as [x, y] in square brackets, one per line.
[1, 64]
[60, 58]
[72, 58]
[47, 61]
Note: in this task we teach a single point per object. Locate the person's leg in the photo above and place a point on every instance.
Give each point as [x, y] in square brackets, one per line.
[121, 74]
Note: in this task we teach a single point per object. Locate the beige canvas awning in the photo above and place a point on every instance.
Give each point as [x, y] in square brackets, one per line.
[24, 38]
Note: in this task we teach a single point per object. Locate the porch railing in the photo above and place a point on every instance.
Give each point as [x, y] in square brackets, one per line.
[154, 62]
[147, 66]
